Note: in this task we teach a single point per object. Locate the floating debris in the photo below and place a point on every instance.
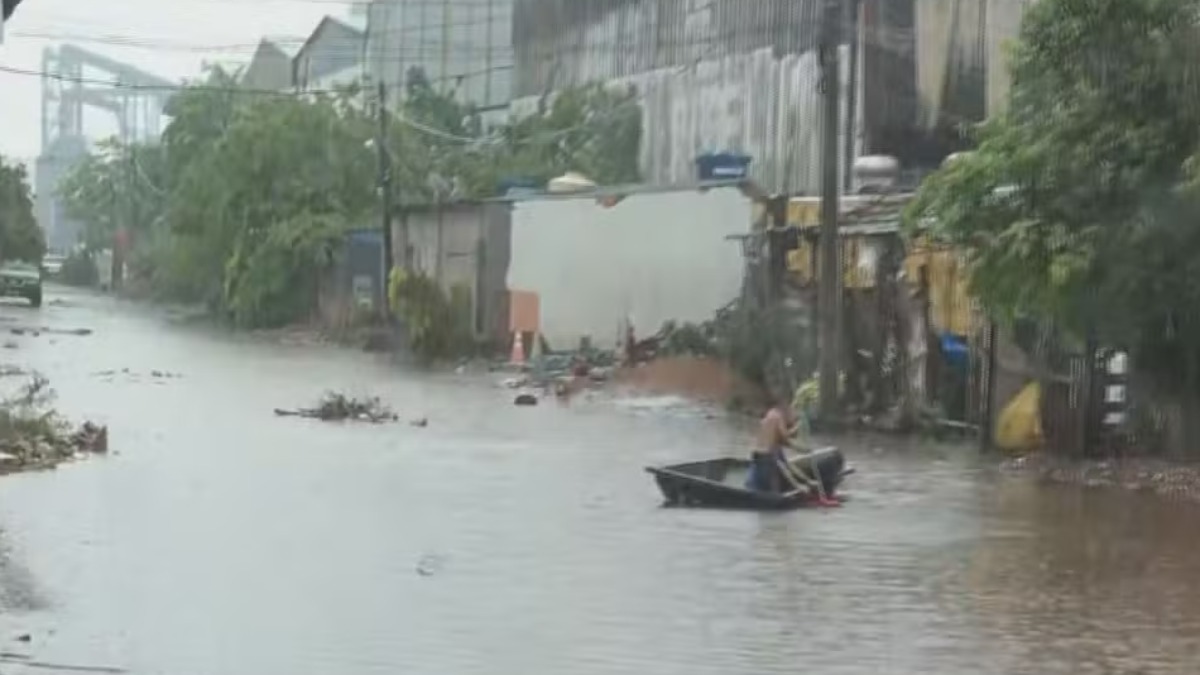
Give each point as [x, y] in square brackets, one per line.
[33, 436]
[9, 370]
[38, 330]
[135, 376]
[335, 407]
[1135, 474]
[25, 661]
[430, 564]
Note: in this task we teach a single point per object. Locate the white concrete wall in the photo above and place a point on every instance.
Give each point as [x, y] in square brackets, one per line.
[764, 105]
[653, 257]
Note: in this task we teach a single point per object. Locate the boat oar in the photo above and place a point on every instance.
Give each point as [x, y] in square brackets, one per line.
[795, 475]
[792, 477]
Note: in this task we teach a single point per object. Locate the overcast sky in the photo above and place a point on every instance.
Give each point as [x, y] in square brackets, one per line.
[176, 36]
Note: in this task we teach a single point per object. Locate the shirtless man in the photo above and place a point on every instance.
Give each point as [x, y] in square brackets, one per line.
[770, 463]
[774, 434]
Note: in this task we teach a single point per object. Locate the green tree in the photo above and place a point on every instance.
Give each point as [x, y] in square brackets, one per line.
[20, 236]
[1078, 207]
[262, 208]
[116, 186]
[593, 130]
[247, 195]
[200, 115]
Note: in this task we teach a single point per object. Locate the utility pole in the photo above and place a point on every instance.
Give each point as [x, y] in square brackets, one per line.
[385, 193]
[854, 14]
[122, 232]
[830, 283]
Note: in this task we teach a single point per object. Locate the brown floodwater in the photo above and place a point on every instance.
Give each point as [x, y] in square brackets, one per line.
[500, 539]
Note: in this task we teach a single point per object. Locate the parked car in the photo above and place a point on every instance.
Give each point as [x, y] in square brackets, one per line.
[52, 264]
[21, 280]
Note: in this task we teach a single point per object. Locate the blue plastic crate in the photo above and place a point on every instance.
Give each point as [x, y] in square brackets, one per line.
[722, 166]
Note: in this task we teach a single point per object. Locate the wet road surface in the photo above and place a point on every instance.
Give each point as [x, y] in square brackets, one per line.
[223, 540]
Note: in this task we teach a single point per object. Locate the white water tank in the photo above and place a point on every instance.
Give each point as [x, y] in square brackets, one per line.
[876, 173]
[570, 182]
[954, 157]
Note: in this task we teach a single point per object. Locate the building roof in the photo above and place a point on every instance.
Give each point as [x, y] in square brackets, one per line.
[9, 6]
[325, 24]
[260, 65]
[286, 47]
[749, 187]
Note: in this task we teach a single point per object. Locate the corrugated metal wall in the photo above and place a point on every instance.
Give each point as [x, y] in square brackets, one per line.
[463, 46]
[1003, 22]
[712, 75]
[563, 43]
[766, 106]
[951, 59]
[467, 246]
[715, 74]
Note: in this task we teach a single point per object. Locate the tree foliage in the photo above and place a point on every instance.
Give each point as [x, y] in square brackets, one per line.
[116, 185]
[438, 323]
[20, 236]
[1079, 205]
[246, 198]
[593, 130]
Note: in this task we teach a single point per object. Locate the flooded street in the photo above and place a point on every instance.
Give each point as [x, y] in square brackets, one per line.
[224, 540]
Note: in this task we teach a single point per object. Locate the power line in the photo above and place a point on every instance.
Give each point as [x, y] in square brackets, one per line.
[890, 39]
[132, 86]
[399, 117]
[887, 37]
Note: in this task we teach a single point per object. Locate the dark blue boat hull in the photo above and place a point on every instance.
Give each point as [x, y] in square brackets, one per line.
[720, 483]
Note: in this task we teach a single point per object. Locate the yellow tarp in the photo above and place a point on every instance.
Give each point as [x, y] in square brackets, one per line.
[951, 307]
[1019, 428]
[854, 274]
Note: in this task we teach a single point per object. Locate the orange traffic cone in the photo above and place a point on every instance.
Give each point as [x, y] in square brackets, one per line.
[518, 350]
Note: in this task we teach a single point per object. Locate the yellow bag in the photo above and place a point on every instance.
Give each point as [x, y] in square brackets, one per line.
[1019, 428]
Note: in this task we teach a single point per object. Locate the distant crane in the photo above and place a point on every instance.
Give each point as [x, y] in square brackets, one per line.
[136, 98]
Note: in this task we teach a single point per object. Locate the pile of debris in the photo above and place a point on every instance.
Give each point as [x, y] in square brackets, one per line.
[33, 436]
[1135, 474]
[335, 407]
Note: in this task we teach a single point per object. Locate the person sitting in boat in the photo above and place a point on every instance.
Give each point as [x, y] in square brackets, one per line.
[774, 434]
[771, 471]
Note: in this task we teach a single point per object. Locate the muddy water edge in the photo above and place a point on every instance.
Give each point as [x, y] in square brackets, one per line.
[219, 538]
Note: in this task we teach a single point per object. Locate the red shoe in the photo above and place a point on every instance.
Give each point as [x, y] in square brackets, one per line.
[828, 502]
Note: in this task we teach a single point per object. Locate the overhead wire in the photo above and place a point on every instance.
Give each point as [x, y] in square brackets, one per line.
[397, 115]
[888, 38]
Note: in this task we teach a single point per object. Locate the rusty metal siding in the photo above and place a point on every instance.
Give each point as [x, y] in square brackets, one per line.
[951, 57]
[563, 43]
[766, 106]
[711, 75]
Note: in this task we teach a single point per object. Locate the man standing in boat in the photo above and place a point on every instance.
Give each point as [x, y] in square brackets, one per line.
[771, 468]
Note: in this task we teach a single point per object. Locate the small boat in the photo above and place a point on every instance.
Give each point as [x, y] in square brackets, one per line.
[721, 483]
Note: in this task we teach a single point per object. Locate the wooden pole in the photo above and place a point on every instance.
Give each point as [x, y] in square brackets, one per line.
[830, 268]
